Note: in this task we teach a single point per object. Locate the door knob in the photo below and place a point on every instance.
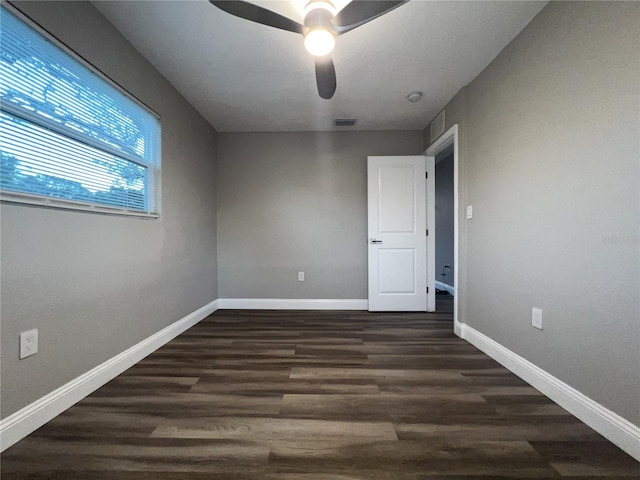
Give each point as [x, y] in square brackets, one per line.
[373, 240]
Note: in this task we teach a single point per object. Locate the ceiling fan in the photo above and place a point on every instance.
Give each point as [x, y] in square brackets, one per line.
[322, 24]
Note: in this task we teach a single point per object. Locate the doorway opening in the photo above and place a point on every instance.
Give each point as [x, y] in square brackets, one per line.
[444, 221]
[445, 151]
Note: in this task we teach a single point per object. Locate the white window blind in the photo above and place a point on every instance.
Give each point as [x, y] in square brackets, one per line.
[67, 134]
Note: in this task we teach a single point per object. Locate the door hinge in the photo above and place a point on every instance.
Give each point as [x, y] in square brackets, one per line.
[427, 232]
[427, 289]
[426, 174]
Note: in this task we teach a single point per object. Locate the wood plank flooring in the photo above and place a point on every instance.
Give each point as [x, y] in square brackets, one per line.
[248, 395]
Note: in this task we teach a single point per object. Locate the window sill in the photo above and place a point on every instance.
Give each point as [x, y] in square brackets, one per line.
[14, 198]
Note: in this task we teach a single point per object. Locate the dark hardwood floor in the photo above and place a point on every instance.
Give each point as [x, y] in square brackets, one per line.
[317, 396]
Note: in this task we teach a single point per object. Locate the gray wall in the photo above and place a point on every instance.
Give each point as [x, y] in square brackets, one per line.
[444, 219]
[549, 159]
[95, 285]
[290, 202]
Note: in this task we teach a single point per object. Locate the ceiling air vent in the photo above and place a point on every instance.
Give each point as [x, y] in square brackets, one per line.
[344, 122]
[437, 126]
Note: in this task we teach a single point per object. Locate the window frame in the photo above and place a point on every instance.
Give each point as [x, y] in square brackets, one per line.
[153, 193]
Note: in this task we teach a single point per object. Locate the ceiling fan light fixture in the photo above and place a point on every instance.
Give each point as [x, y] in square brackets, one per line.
[319, 41]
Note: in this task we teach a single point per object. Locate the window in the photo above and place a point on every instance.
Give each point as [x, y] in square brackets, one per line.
[69, 138]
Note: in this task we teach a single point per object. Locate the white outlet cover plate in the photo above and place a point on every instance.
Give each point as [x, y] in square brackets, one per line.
[301, 276]
[28, 343]
[536, 317]
[469, 212]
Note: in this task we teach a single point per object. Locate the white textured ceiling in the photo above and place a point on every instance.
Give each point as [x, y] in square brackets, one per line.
[242, 76]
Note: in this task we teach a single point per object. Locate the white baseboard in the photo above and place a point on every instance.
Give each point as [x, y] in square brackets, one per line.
[444, 286]
[293, 304]
[612, 426]
[457, 329]
[20, 424]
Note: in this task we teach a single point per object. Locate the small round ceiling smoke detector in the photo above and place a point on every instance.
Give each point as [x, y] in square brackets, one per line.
[414, 97]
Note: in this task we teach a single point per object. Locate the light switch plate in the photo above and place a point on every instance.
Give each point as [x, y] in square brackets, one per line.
[469, 212]
[536, 318]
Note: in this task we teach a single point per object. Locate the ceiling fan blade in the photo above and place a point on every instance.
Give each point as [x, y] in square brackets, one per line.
[325, 76]
[359, 12]
[257, 14]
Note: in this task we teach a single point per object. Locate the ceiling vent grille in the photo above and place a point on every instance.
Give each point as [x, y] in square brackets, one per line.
[344, 122]
[437, 126]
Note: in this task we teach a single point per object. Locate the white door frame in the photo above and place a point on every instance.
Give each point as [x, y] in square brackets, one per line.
[430, 168]
[447, 138]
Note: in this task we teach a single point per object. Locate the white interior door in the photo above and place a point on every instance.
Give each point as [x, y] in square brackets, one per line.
[397, 233]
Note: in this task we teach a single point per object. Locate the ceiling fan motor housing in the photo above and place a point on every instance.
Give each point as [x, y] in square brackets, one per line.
[318, 14]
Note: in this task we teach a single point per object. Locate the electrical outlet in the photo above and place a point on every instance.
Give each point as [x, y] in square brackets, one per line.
[28, 343]
[301, 276]
[536, 317]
